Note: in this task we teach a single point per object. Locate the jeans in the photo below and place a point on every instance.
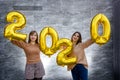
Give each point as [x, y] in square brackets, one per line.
[35, 79]
[79, 72]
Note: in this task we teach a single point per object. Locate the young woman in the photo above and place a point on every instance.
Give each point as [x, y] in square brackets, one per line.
[34, 69]
[79, 70]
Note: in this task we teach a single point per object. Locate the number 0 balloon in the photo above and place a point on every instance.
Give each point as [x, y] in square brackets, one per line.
[48, 31]
[104, 38]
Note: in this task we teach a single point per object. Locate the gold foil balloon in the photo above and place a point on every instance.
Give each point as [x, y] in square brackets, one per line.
[16, 21]
[62, 58]
[104, 38]
[48, 31]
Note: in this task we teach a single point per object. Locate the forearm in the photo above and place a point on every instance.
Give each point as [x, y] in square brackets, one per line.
[18, 43]
[88, 43]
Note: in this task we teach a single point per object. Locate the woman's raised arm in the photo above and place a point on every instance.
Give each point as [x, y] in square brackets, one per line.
[87, 43]
[20, 44]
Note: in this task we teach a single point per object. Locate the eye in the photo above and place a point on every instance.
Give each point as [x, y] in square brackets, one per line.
[35, 35]
[73, 35]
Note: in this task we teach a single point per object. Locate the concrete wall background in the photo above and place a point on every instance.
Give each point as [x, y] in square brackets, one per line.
[66, 16]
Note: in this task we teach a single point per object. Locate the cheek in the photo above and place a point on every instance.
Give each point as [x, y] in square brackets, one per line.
[72, 37]
[35, 37]
[30, 37]
[78, 38]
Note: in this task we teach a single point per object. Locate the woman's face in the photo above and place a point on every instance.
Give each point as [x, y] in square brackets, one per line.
[75, 37]
[33, 37]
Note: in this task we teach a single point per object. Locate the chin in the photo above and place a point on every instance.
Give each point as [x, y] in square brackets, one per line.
[33, 40]
[75, 40]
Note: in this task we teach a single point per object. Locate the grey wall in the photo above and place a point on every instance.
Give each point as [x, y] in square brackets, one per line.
[66, 16]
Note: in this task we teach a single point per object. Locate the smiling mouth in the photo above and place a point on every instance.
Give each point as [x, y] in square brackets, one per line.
[33, 38]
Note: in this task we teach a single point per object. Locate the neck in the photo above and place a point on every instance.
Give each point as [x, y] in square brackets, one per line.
[32, 42]
[74, 43]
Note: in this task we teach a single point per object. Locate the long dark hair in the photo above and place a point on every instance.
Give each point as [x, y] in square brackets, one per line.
[31, 33]
[80, 38]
